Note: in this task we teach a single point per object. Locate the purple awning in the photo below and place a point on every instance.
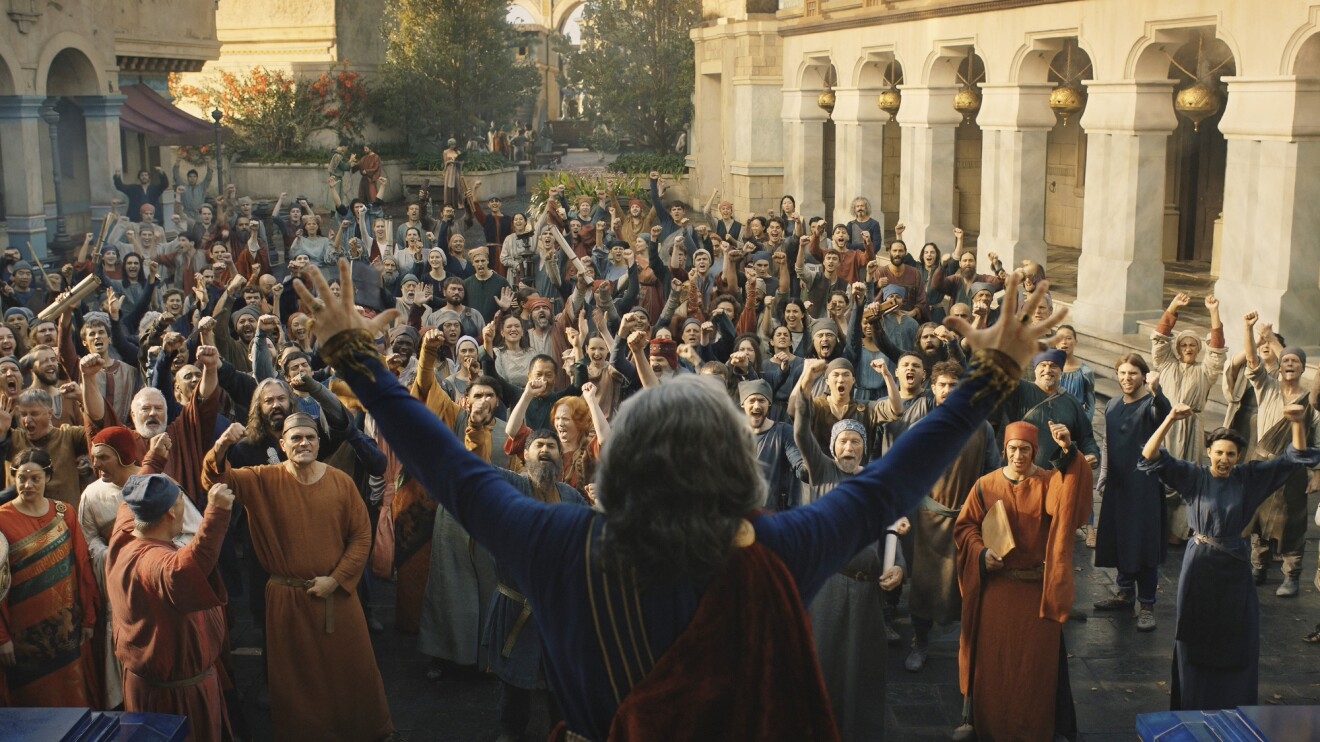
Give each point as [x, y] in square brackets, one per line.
[146, 112]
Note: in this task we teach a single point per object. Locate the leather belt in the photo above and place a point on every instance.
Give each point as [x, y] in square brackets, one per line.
[305, 585]
[185, 683]
[1035, 574]
[519, 624]
[1222, 545]
[859, 575]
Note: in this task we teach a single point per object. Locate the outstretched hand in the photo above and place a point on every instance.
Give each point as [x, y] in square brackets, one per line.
[332, 315]
[1015, 334]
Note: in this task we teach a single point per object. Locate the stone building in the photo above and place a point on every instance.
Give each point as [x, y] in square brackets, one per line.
[68, 72]
[1193, 134]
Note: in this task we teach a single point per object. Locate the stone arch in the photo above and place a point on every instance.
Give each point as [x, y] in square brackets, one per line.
[561, 13]
[871, 70]
[1031, 62]
[529, 9]
[65, 67]
[1301, 55]
[814, 70]
[8, 83]
[942, 64]
[1149, 57]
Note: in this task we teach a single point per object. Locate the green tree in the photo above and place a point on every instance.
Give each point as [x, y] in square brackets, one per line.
[636, 64]
[450, 66]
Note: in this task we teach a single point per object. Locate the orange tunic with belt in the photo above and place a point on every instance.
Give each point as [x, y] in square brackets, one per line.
[324, 682]
[1012, 628]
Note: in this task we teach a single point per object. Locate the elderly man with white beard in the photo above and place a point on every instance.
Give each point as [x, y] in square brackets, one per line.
[191, 431]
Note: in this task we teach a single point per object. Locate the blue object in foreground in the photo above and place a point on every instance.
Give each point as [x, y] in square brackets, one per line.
[1243, 724]
[85, 725]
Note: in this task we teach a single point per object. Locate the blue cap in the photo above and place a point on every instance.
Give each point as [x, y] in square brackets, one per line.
[893, 289]
[1054, 355]
[149, 496]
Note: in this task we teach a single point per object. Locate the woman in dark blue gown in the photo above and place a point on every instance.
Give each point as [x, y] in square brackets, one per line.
[1216, 652]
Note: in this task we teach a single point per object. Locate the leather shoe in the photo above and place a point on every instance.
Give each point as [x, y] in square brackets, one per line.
[1120, 601]
[1289, 587]
[916, 659]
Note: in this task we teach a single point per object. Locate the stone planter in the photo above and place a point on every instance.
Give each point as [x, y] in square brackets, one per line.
[502, 182]
[265, 181]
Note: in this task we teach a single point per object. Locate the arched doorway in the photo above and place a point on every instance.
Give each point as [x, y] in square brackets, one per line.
[65, 157]
[1065, 145]
[1197, 152]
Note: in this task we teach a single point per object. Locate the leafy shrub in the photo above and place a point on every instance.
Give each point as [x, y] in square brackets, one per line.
[644, 163]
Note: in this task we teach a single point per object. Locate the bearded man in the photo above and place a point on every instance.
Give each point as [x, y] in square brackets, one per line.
[190, 431]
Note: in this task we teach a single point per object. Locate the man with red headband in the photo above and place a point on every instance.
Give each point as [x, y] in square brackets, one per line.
[1012, 667]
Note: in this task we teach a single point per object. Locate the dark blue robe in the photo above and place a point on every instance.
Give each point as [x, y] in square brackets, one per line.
[546, 547]
[1132, 526]
[1216, 651]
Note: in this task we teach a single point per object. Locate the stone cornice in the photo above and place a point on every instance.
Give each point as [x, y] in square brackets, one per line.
[878, 14]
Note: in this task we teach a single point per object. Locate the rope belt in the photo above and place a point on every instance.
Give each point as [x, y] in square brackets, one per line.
[519, 624]
[928, 503]
[306, 584]
[1035, 574]
[185, 683]
[1221, 545]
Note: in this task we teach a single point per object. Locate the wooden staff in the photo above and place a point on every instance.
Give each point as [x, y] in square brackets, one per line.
[105, 230]
[563, 245]
[44, 275]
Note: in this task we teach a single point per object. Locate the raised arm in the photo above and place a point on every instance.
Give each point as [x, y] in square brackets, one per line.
[598, 419]
[1151, 451]
[1249, 345]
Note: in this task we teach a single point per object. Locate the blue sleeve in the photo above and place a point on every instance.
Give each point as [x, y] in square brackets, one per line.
[515, 529]
[1177, 474]
[1268, 476]
[161, 378]
[367, 452]
[816, 540]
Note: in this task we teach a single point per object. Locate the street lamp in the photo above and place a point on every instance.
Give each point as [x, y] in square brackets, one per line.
[216, 115]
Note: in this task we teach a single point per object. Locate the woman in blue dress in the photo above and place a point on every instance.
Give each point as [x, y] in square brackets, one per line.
[1216, 654]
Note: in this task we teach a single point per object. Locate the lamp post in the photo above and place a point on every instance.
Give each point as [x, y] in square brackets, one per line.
[52, 119]
[216, 115]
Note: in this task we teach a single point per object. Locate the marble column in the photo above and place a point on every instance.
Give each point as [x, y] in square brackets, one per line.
[1120, 275]
[104, 156]
[1015, 121]
[859, 151]
[804, 142]
[21, 132]
[926, 182]
[1269, 261]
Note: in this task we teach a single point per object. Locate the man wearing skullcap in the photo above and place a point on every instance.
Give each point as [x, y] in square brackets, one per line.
[1280, 523]
[167, 604]
[1043, 401]
[311, 532]
[1187, 377]
[847, 618]
[1012, 665]
[115, 458]
[781, 462]
[636, 222]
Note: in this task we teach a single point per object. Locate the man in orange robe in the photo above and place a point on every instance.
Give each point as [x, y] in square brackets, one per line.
[311, 532]
[168, 603]
[1011, 663]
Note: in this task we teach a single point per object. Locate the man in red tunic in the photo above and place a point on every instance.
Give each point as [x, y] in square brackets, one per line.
[167, 603]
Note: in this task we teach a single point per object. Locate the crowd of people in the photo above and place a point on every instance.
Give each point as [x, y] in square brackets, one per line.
[592, 447]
